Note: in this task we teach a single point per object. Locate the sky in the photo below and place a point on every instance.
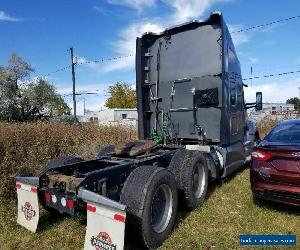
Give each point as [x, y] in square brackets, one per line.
[41, 32]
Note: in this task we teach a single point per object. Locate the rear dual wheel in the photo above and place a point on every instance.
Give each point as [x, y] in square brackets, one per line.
[191, 173]
[150, 194]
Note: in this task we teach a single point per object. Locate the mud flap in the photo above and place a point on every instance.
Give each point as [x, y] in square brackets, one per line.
[105, 222]
[28, 205]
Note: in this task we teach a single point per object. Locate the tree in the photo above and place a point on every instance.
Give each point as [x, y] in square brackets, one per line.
[22, 99]
[121, 96]
[40, 96]
[295, 101]
[18, 69]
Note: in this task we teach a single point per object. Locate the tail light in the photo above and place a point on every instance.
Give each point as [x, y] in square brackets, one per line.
[48, 196]
[261, 155]
[70, 204]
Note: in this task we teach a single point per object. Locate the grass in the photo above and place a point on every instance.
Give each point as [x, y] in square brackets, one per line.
[228, 211]
[26, 147]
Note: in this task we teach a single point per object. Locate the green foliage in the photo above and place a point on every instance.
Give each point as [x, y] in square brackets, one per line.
[22, 99]
[295, 101]
[121, 96]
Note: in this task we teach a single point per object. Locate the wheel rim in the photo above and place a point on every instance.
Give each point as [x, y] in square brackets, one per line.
[161, 208]
[198, 181]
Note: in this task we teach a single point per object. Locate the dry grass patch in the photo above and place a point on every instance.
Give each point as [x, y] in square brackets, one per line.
[26, 147]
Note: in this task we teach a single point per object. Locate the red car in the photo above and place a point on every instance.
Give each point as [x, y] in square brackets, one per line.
[275, 167]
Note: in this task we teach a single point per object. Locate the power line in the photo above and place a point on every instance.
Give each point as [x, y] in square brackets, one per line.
[107, 59]
[58, 70]
[132, 54]
[266, 24]
[88, 62]
[84, 93]
[272, 75]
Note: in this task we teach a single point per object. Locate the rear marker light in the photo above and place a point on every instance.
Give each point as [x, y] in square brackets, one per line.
[70, 204]
[120, 218]
[48, 196]
[63, 202]
[261, 155]
[34, 189]
[54, 199]
[91, 208]
[18, 185]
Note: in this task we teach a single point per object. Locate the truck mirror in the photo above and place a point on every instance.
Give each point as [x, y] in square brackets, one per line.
[258, 106]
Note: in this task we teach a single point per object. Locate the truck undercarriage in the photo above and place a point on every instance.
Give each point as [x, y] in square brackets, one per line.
[105, 176]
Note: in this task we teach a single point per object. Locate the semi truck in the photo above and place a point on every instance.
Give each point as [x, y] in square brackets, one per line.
[192, 130]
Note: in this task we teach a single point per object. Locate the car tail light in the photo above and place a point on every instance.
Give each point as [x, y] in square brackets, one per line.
[48, 196]
[70, 204]
[261, 155]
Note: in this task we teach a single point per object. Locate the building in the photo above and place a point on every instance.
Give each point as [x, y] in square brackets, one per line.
[90, 116]
[118, 116]
[275, 108]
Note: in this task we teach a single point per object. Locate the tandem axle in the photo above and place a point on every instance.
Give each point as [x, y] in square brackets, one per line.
[119, 183]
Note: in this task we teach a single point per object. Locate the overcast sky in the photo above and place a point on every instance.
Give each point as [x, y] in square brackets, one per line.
[42, 31]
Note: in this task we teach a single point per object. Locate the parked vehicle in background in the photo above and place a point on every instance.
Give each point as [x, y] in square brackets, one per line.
[275, 167]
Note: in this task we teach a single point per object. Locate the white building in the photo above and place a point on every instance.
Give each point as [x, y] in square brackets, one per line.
[118, 116]
[274, 108]
[91, 116]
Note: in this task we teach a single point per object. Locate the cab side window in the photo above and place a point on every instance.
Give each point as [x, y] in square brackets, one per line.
[233, 93]
[240, 97]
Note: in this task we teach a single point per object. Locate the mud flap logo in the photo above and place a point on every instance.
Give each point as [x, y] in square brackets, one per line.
[28, 211]
[102, 242]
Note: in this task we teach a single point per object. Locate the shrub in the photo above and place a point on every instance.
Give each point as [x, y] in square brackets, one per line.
[26, 147]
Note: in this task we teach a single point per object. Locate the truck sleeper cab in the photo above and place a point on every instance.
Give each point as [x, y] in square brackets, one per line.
[190, 88]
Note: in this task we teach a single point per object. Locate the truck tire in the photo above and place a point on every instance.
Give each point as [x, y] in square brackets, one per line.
[191, 173]
[106, 150]
[150, 194]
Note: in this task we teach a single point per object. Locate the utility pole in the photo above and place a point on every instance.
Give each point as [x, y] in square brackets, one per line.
[84, 106]
[298, 104]
[73, 80]
[251, 76]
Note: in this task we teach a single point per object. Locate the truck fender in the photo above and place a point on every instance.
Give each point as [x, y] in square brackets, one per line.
[105, 227]
[28, 204]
